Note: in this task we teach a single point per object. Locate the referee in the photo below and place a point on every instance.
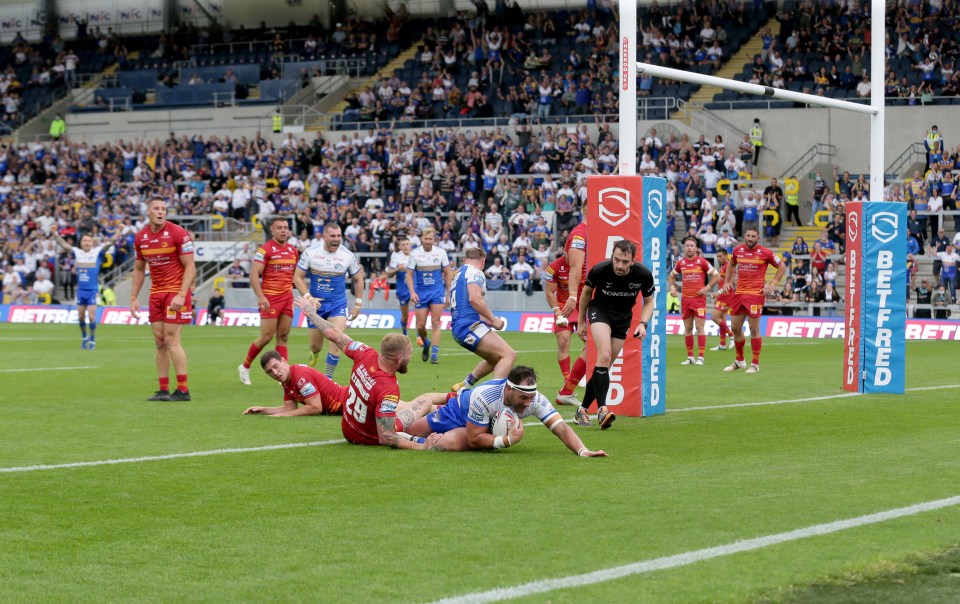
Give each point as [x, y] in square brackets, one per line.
[609, 296]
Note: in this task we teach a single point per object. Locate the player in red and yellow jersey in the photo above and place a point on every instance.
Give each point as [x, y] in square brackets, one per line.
[274, 263]
[575, 250]
[750, 260]
[557, 289]
[693, 270]
[722, 303]
[372, 412]
[306, 391]
[168, 249]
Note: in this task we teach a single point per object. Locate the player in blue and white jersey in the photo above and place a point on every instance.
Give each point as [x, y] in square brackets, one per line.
[474, 322]
[464, 422]
[328, 264]
[398, 267]
[88, 281]
[428, 277]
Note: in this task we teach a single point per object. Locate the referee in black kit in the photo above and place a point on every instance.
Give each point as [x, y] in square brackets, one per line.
[608, 298]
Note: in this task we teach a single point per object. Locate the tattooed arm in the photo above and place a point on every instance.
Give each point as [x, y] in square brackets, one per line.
[329, 330]
[387, 433]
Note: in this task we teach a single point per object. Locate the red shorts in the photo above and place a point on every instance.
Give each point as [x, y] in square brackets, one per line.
[355, 437]
[160, 311]
[571, 326]
[724, 302]
[279, 305]
[694, 306]
[747, 304]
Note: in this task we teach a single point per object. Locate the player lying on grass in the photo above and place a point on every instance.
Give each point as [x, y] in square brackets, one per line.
[464, 422]
[306, 391]
[372, 412]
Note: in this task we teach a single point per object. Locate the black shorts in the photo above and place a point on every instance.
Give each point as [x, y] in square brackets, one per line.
[619, 326]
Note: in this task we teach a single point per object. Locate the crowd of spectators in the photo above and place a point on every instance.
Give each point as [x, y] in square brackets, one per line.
[823, 48]
[535, 65]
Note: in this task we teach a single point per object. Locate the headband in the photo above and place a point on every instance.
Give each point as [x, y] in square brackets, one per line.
[522, 388]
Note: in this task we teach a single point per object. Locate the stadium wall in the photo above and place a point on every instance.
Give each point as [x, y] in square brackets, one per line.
[787, 133]
[526, 322]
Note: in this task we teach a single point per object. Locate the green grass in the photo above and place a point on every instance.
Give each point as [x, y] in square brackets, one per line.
[339, 523]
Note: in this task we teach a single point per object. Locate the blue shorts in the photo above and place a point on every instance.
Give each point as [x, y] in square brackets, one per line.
[469, 334]
[337, 309]
[432, 296]
[450, 416]
[403, 298]
[86, 298]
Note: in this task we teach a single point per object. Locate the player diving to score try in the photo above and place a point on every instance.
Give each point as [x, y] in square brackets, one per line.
[464, 422]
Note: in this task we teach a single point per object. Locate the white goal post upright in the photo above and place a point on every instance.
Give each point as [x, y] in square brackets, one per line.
[875, 317]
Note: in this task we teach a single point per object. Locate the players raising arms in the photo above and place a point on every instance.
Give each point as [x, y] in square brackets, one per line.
[749, 262]
[722, 303]
[693, 270]
[168, 249]
[271, 279]
[473, 322]
[306, 391]
[556, 287]
[327, 265]
[464, 422]
[398, 268]
[428, 278]
[372, 413]
[88, 281]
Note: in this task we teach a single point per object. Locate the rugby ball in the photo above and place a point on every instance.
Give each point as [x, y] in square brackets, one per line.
[503, 420]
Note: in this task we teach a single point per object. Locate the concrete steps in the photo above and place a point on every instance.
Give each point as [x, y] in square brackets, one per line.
[731, 67]
[386, 71]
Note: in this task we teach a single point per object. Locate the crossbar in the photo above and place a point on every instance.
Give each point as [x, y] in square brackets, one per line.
[748, 88]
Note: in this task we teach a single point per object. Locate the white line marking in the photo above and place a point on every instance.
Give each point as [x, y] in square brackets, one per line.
[803, 400]
[110, 462]
[48, 369]
[617, 572]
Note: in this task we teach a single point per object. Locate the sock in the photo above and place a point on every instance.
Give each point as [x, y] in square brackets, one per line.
[252, 353]
[426, 342]
[470, 380]
[331, 365]
[723, 337]
[588, 396]
[701, 343]
[93, 330]
[182, 382]
[688, 340]
[601, 385]
[576, 374]
[404, 329]
[164, 383]
[83, 328]
[434, 351]
[739, 346]
[755, 345]
[283, 352]
[564, 367]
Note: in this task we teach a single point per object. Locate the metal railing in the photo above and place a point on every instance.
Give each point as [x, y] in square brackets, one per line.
[915, 152]
[819, 152]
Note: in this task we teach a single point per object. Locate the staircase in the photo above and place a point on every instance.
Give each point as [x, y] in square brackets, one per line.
[730, 68]
[385, 72]
[789, 234]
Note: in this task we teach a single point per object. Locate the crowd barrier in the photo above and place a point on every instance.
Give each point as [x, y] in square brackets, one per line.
[527, 322]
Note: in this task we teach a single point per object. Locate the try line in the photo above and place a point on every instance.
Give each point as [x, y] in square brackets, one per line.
[684, 559]
[48, 369]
